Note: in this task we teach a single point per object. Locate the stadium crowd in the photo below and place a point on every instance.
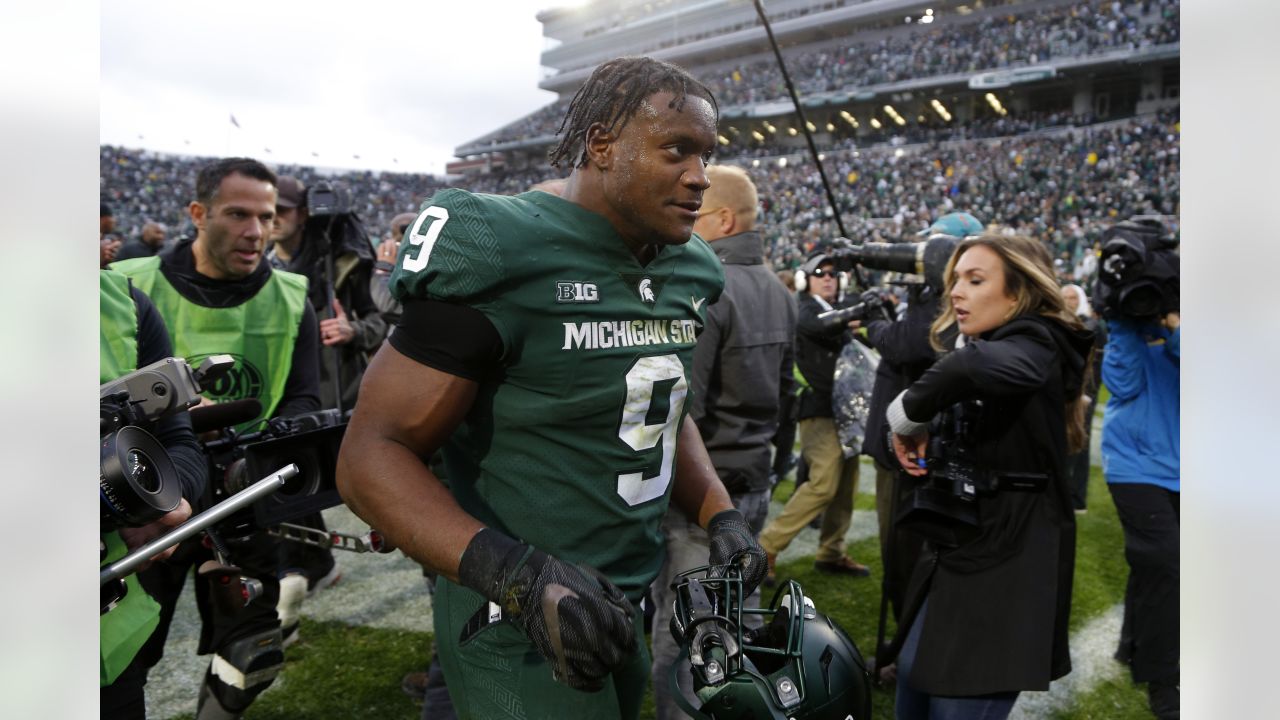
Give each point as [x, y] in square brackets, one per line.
[1000, 41]
[1018, 38]
[885, 192]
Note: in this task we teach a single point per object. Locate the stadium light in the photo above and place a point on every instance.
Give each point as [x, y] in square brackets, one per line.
[772, 129]
[811, 126]
[941, 109]
[822, 156]
[792, 131]
[757, 135]
[928, 16]
[994, 102]
[755, 163]
[875, 123]
[831, 127]
[723, 140]
[782, 162]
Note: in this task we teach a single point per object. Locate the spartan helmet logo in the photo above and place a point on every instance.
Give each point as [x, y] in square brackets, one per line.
[646, 292]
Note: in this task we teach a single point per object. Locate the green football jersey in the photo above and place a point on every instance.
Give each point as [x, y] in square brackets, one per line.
[572, 446]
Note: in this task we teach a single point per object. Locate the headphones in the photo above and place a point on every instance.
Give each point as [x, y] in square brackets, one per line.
[811, 266]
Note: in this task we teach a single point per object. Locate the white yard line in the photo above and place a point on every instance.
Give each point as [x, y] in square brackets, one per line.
[1092, 663]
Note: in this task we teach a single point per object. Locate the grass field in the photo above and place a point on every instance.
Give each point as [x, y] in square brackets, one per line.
[344, 670]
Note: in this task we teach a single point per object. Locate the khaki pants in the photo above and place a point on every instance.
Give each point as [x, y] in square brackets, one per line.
[832, 483]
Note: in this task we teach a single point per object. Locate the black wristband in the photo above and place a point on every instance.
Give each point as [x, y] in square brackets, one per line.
[729, 515]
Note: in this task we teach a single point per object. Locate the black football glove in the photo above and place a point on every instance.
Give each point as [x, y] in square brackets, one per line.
[732, 542]
[578, 620]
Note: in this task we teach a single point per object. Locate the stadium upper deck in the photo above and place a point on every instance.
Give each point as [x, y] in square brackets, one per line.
[850, 59]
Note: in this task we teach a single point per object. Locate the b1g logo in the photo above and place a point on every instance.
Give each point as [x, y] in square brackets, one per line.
[577, 292]
[242, 381]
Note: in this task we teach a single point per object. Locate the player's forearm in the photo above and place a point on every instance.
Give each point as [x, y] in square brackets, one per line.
[387, 485]
[697, 490]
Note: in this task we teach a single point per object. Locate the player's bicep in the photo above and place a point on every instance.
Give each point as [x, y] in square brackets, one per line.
[409, 403]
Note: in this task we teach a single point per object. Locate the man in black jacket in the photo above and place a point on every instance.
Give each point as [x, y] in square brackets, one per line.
[833, 473]
[741, 370]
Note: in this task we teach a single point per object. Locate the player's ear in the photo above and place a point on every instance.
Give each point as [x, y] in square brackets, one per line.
[599, 143]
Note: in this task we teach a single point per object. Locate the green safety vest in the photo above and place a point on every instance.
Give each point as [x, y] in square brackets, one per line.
[258, 333]
[118, 318]
[123, 630]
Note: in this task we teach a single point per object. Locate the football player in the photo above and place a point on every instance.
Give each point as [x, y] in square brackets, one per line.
[546, 347]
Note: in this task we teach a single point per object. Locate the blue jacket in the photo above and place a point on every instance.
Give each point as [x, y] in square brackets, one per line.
[1140, 440]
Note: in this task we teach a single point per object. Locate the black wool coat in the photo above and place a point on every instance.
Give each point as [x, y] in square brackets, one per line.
[999, 604]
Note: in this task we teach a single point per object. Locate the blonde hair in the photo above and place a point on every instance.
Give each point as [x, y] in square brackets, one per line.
[731, 187]
[1030, 283]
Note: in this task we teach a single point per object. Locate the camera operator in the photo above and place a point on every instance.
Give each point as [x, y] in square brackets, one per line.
[833, 478]
[356, 327]
[1140, 457]
[988, 604]
[133, 335]
[218, 295]
[905, 353]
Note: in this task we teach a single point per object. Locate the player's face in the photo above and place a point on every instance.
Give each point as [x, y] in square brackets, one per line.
[233, 229]
[654, 184]
[979, 296]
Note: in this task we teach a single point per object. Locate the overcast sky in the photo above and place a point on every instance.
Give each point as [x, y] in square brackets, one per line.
[385, 80]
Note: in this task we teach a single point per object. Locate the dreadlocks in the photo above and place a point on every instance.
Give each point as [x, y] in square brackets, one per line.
[611, 97]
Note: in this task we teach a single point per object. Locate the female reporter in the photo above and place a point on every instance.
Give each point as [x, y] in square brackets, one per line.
[993, 597]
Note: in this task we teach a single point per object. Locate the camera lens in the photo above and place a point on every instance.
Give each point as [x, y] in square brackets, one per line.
[137, 483]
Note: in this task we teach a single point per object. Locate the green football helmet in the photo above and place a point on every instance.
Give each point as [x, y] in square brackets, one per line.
[799, 665]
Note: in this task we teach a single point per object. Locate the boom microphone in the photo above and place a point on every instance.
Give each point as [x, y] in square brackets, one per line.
[215, 417]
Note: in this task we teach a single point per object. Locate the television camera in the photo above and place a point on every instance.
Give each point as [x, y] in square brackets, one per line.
[1138, 272]
[137, 481]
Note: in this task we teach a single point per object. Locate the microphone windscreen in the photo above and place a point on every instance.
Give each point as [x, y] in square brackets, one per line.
[221, 415]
